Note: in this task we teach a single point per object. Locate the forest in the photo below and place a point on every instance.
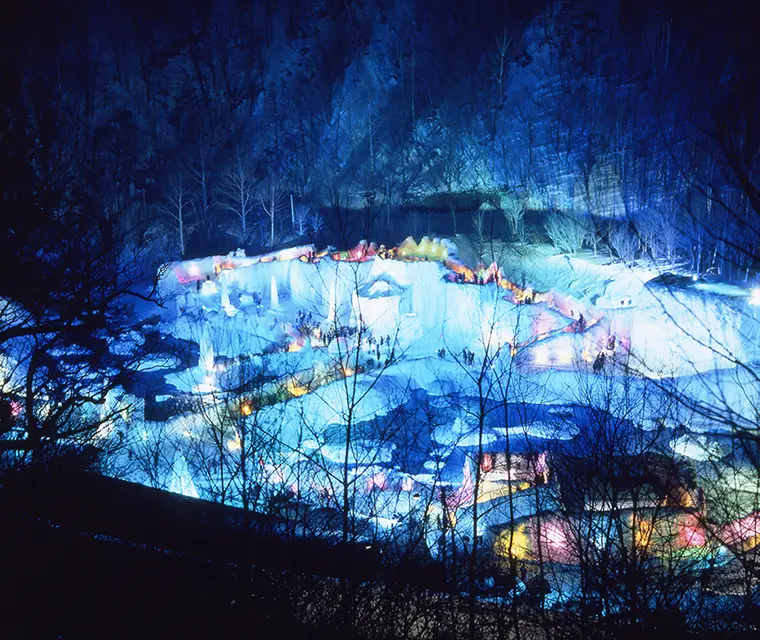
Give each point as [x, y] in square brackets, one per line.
[186, 123]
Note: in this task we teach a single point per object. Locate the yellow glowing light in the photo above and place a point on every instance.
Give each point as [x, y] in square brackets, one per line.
[643, 533]
[294, 346]
[513, 543]
[295, 389]
[246, 410]
[348, 371]
[493, 489]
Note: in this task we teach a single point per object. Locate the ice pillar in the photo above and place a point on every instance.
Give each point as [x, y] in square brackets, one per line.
[206, 360]
[356, 311]
[275, 297]
[225, 290]
[332, 302]
[182, 481]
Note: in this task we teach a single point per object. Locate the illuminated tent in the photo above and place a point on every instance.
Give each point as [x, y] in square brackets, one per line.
[408, 248]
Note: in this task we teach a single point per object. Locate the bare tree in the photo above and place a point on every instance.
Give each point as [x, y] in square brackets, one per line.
[177, 202]
[568, 232]
[271, 202]
[53, 380]
[513, 210]
[479, 232]
[624, 243]
[200, 174]
[236, 187]
[316, 221]
[301, 217]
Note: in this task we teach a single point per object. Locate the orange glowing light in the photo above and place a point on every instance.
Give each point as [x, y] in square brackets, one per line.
[246, 409]
[643, 533]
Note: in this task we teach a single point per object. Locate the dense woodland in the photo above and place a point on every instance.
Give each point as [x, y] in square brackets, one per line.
[166, 122]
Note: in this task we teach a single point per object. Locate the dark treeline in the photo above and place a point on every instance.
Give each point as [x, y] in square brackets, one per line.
[213, 115]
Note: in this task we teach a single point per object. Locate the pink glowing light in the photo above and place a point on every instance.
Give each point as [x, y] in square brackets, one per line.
[377, 481]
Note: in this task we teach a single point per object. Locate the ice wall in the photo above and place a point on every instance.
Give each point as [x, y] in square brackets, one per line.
[681, 332]
[669, 331]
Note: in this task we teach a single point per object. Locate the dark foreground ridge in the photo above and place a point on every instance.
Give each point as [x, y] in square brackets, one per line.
[85, 556]
[93, 557]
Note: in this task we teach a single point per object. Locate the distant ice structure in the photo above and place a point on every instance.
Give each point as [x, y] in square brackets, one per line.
[225, 299]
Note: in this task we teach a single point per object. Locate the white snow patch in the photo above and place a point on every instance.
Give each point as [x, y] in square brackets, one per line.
[697, 448]
[546, 430]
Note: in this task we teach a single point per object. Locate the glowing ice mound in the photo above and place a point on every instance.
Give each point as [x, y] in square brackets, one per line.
[126, 344]
[329, 404]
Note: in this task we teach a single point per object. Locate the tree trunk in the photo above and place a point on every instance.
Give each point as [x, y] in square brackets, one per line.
[181, 236]
[271, 220]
